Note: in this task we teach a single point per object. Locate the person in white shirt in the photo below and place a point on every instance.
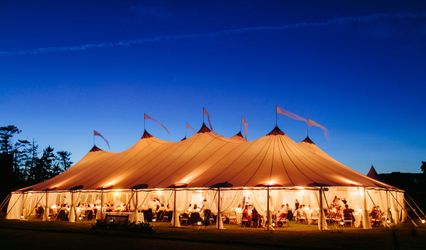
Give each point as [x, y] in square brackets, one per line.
[239, 213]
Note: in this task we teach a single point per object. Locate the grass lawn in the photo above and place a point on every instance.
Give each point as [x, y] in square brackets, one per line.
[57, 235]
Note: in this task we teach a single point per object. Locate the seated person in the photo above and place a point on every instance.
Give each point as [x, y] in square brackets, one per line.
[256, 218]
[188, 210]
[161, 212]
[376, 215]
[39, 211]
[301, 214]
[246, 219]
[348, 213]
[239, 212]
[63, 213]
[194, 217]
[282, 213]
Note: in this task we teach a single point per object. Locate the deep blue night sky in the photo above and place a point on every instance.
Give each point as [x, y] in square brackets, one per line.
[357, 67]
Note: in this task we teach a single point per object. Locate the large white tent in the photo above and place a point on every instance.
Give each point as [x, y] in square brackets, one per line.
[226, 172]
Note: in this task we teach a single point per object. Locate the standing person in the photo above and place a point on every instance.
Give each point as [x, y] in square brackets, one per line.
[296, 204]
[289, 212]
[205, 208]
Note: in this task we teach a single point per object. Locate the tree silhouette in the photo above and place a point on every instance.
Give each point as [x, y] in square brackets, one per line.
[64, 160]
[20, 162]
[44, 167]
[423, 167]
[6, 134]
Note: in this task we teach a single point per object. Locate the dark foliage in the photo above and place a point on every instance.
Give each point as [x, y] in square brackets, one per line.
[21, 163]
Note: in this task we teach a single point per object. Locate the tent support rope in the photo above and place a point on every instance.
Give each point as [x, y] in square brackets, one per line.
[5, 201]
[417, 206]
[412, 221]
[415, 212]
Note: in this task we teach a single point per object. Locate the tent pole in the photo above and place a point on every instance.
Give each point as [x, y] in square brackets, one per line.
[22, 205]
[71, 217]
[135, 212]
[321, 210]
[174, 208]
[366, 219]
[137, 205]
[102, 203]
[388, 210]
[46, 209]
[267, 208]
[218, 209]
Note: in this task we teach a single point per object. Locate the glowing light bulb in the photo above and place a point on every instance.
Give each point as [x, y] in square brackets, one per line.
[423, 221]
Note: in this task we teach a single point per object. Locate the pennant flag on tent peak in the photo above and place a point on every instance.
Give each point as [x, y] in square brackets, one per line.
[282, 111]
[187, 125]
[206, 113]
[245, 124]
[315, 124]
[96, 133]
[147, 117]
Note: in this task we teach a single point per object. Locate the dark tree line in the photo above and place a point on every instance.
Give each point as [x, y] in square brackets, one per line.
[22, 163]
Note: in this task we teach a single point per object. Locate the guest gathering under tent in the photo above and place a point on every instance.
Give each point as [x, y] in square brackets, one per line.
[208, 179]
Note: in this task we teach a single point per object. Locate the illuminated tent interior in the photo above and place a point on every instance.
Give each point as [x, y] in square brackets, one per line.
[206, 168]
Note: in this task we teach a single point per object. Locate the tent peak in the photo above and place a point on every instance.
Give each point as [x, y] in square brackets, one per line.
[239, 136]
[276, 131]
[204, 129]
[146, 135]
[95, 149]
[308, 140]
[372, 173]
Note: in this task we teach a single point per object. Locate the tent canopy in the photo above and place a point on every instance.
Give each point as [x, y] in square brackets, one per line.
[207, 159]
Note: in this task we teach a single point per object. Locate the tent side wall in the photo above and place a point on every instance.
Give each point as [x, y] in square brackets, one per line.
[227, 202]
[14, 208]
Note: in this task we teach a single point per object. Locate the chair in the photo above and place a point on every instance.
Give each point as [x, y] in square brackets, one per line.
[165, 217]
[233, 218]
[182, 220]
[245, 222]
[348, 221]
